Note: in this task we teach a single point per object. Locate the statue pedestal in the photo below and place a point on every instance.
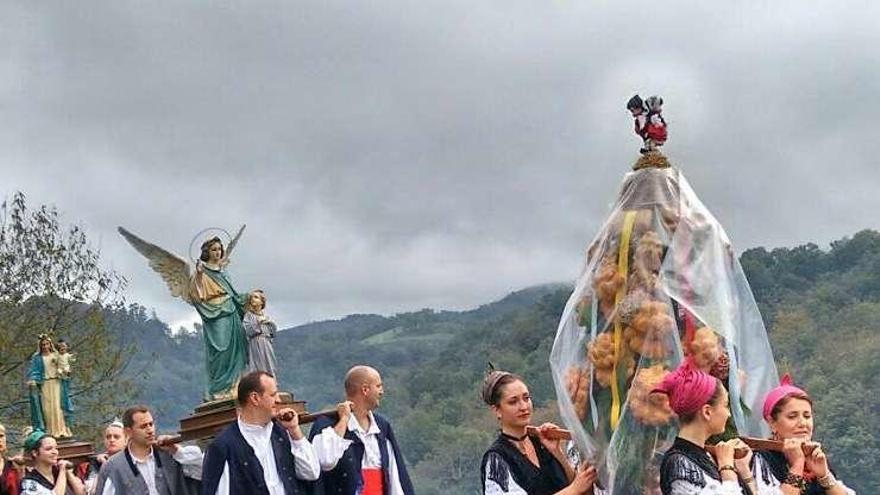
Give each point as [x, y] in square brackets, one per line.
[651, 159]
[210, 418]
[75, 451]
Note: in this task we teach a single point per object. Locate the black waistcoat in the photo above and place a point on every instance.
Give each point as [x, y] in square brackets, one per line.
[245, 470]
[345, 478]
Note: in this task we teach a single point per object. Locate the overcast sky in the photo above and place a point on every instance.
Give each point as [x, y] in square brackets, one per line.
[389, 156]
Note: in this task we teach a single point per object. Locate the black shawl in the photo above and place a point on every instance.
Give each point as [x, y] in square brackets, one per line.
[688, 462]
[503, 459]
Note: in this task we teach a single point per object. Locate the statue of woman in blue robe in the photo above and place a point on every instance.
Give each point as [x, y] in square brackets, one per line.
[46, 395]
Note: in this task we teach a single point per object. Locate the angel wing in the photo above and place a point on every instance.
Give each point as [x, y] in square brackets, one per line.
[174, 270]
[233, 242]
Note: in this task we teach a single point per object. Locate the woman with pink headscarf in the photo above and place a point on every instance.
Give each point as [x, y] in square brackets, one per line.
[789, 412]
[702, 405]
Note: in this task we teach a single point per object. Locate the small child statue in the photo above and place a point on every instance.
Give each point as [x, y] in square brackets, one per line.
[65, 359]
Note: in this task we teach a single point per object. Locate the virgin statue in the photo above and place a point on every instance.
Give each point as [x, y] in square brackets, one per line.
[46, 393]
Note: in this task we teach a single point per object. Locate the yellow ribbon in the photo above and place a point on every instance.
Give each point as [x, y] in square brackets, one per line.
[622, 269]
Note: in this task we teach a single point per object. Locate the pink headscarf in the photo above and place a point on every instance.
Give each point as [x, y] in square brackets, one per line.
[785, 387]
[688, 388]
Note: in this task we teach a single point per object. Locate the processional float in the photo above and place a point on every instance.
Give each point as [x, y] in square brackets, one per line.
[228, 317]
[659, 282]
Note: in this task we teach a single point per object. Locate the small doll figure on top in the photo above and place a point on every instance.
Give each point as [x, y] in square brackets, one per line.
[649, 123]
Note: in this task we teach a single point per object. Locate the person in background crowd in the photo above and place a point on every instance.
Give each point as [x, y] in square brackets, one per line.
[148, 465]
[11, 469]
[114, 441]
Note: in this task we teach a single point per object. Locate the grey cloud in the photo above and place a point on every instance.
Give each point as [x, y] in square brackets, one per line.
[398, 155]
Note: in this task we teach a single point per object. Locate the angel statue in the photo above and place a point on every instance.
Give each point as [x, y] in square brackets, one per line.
[209, 290]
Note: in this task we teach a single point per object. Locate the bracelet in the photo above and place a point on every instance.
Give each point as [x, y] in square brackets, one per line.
[827, 481]
[796, 481]
[748, 480]
[727, 467]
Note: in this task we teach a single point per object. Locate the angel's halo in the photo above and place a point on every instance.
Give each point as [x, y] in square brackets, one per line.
[202, 236]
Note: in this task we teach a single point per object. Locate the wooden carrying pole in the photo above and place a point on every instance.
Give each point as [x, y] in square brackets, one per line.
[754, 443]
[304, 418]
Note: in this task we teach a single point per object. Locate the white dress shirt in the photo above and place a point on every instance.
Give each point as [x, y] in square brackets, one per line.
[185, 455]
[306, 465]
[331, 447]
[713, 487]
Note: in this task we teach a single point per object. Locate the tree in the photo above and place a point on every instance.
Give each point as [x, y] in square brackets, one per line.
[51, 282]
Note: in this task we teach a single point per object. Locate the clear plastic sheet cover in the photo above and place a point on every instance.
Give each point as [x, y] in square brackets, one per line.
[659, 281]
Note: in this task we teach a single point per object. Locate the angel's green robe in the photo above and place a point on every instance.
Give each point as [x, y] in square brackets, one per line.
[225, 344]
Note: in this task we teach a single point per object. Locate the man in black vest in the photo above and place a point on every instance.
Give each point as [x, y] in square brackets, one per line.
[141, 469]
[359, 454]
[256, 454]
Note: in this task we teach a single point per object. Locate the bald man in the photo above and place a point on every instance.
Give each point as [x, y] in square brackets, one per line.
[359, 454]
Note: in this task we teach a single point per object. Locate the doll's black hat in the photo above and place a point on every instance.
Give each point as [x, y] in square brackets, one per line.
[635, 102]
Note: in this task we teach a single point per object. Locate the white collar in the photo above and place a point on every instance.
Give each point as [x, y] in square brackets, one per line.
[145, 460]
[355, 426]
[254, 429]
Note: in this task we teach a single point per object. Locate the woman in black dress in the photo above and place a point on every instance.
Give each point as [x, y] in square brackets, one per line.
[701, 403]
[520, 463]
[789, 412]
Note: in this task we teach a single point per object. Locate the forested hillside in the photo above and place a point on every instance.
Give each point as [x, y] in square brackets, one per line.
[822, 309]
